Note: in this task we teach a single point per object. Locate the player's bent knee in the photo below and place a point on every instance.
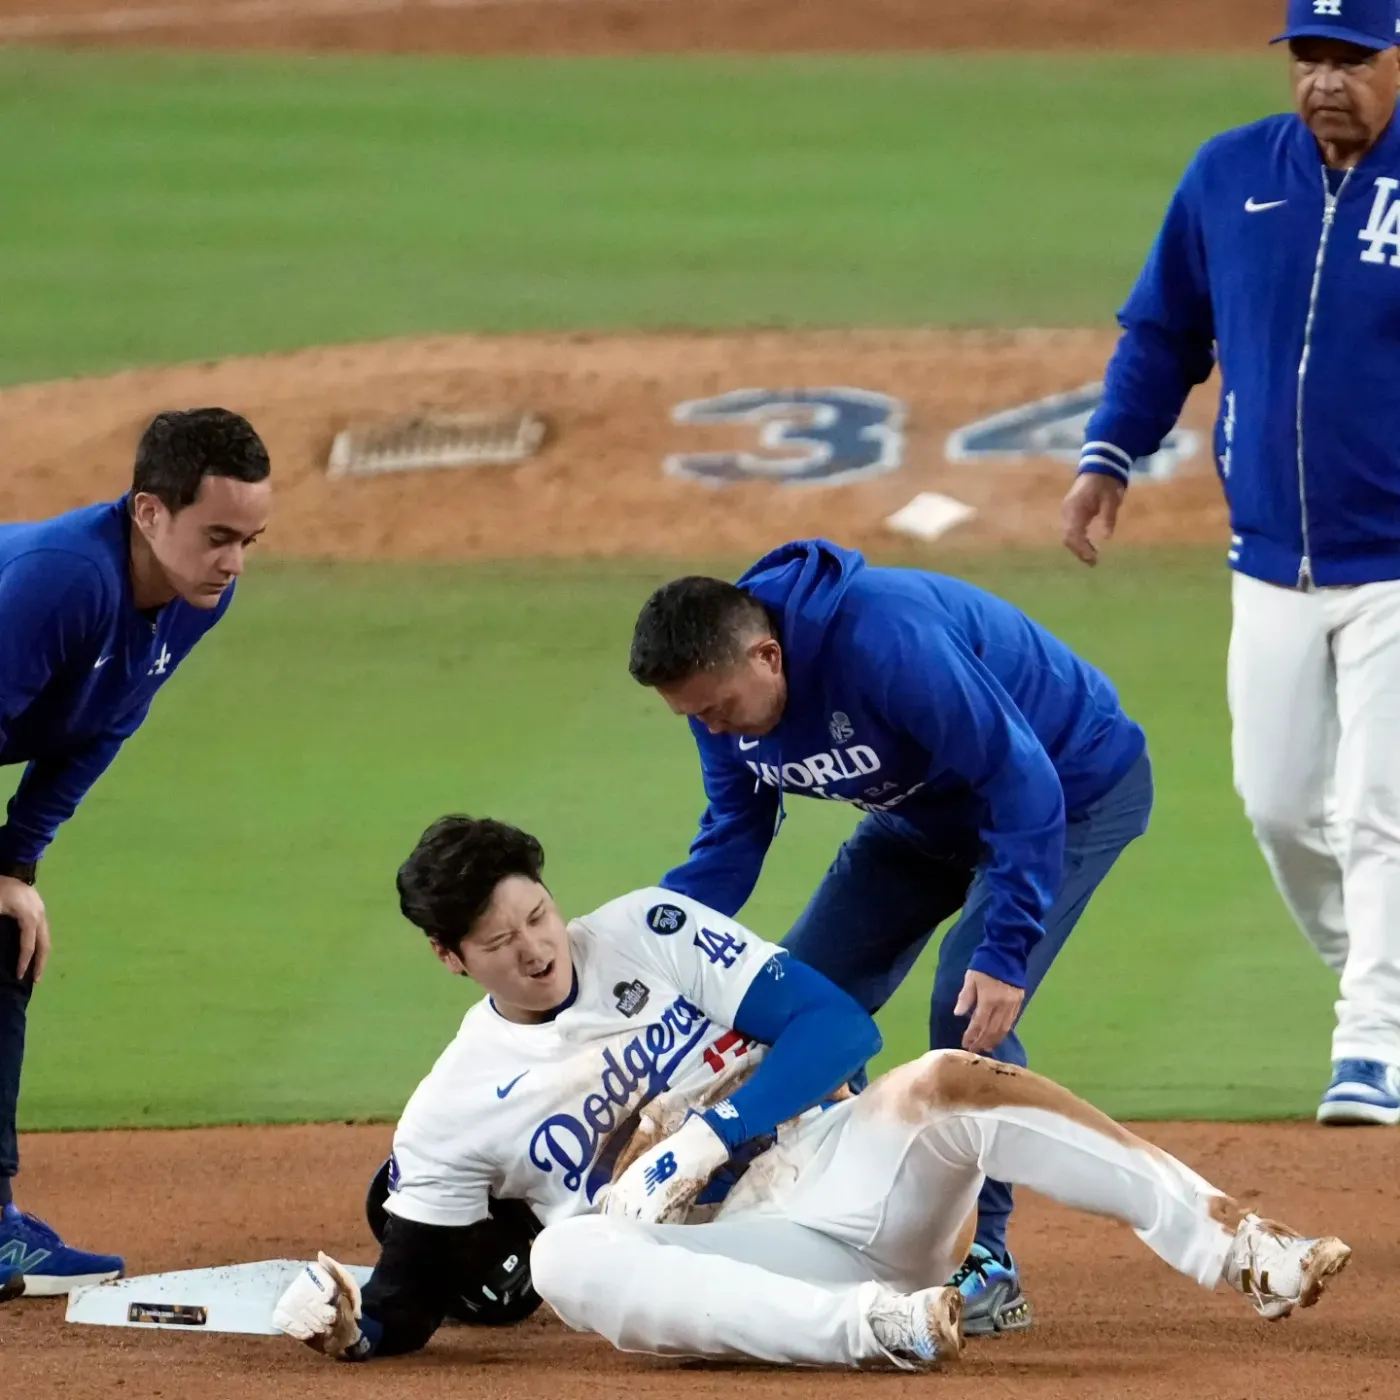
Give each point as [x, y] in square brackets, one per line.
[935, 1082]
[946, 1077]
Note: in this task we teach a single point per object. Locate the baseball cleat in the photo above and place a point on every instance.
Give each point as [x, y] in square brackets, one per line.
[918, 1329]
[11, 1286]
[991, 1294]
[1361, 1092]
[48, 1267]
[1279, 1270]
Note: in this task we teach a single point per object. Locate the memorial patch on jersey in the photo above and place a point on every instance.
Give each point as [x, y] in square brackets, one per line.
[631, 996]
[665, 919]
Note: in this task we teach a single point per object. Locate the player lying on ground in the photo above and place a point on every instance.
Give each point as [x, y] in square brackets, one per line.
[666, 1090]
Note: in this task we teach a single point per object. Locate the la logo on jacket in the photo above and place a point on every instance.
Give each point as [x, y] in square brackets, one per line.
[1382, 229]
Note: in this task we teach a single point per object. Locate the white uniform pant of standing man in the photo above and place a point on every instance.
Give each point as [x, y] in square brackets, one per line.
[1314, 683]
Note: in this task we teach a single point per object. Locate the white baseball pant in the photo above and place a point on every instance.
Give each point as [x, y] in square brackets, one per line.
[878, 1194]
[1314, 686]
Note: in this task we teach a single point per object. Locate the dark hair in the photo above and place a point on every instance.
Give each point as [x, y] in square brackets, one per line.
[692, 625]
[179, 449]
[446, 884]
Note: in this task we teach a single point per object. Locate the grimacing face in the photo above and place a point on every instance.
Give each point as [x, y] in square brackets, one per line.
[202, 549]
[517, 951]
[1345, 94]
[747, 698]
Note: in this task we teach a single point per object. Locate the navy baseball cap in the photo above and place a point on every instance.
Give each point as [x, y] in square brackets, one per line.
[1370, 24]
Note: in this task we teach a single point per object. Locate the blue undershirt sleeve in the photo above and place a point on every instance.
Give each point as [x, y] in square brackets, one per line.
[818, 1037]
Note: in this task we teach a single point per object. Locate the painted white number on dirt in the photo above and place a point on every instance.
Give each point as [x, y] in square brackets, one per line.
[809, 437]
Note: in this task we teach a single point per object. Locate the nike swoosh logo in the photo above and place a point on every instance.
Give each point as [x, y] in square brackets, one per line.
[501, 1093]
[1250, 207]
[98, 665]
[746, 744]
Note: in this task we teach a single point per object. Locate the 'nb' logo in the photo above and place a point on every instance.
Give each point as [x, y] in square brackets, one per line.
[1328, 7]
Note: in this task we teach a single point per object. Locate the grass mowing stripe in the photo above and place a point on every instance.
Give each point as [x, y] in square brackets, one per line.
[171, 206]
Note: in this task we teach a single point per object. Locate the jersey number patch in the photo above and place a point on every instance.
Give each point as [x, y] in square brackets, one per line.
[722, 949]
[714, 1054]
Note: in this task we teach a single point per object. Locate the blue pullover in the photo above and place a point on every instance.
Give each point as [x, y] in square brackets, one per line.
[925, 698]
[79, 663]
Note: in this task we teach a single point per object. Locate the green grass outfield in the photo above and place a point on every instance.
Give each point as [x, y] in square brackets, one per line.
[228, 942]
[228, 946]
[167, 207]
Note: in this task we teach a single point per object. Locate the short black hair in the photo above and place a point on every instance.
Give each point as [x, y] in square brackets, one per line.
[446, 884]
[180, 448]
[691, 625]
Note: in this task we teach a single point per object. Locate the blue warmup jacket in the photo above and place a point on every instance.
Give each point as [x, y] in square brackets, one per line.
[79, 665]
[923, 697]
[1292, 279]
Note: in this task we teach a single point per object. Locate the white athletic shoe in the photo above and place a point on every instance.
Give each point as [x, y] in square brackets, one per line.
[1278, 1270]
[919, 1329]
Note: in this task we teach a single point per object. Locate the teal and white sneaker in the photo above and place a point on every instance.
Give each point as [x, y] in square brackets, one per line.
[991, 1294]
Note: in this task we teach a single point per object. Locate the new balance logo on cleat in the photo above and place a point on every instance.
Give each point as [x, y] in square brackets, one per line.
[16, 1258]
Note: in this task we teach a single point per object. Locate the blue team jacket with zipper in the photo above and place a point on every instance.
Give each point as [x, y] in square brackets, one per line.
[79, 663]
[1289, 275]
[926, 700]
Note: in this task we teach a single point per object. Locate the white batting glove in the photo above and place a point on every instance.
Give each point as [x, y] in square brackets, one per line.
[321, 1307]
[660, 1187]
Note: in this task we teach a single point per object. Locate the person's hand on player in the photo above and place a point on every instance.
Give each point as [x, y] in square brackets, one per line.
[22, 903]
[660, 1187]
[1092, 497]
[993, 1006]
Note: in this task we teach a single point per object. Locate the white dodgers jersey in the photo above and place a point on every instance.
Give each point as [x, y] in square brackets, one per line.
[541, 1113]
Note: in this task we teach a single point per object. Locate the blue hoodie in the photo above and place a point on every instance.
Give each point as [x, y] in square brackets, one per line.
[79, 664]
[921, 696]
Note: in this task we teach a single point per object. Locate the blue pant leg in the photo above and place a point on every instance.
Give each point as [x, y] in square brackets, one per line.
[14, 1003]
[1094, 839]
[875, 909]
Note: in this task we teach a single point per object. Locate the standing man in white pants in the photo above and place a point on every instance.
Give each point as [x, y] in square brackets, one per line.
[1280, 261]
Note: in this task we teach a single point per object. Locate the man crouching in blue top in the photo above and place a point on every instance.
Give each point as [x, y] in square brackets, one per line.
[999, 771]
[97, 609]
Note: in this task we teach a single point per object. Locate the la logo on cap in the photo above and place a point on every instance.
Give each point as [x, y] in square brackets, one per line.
[1327, 7]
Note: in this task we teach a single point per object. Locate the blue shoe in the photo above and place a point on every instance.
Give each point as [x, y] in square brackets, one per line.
[1361, 1091]
[48, 1267]
[991, 1293]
